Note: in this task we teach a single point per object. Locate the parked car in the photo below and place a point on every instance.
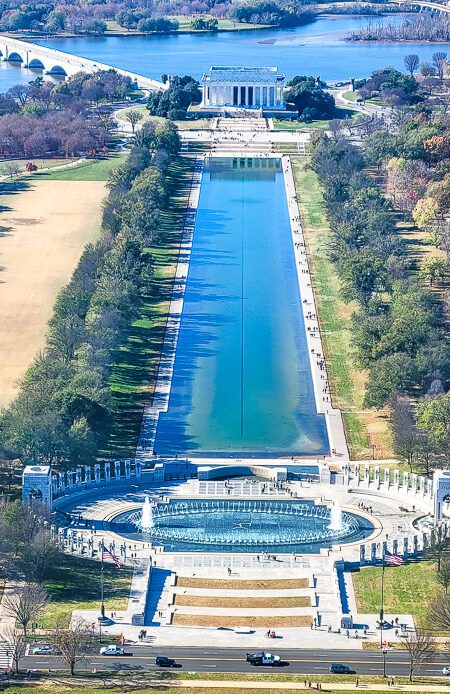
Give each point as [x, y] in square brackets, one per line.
[112, 650]
[446, 670]
[44, 649]
[263, 658]
[339, 669]
[164, 661]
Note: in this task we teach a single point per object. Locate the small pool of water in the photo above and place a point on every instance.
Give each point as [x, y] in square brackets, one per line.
[255, 526]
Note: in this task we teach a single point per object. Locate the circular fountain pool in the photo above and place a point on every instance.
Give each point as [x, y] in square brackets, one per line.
[212, 525]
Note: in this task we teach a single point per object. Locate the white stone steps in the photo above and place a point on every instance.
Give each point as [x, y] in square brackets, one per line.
[256, 593]
[245, 611]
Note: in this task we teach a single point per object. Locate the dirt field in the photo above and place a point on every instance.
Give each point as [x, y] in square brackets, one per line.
[42, 234]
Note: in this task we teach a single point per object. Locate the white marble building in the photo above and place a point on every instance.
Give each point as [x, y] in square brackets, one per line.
[243, 87]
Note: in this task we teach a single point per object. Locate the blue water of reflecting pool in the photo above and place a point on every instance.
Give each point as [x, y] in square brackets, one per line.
[242, 382]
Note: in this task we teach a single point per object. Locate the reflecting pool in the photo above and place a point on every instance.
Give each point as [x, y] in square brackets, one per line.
[242, 383]
[243, 526]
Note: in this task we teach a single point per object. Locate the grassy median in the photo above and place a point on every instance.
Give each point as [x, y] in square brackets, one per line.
[363, 428]
[408, 589]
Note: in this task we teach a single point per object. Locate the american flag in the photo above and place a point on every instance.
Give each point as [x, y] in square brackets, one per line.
[392, 559]
[109, 556]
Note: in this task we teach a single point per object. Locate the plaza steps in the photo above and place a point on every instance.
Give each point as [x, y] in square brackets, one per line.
[248, 148]
[242, 124]
[249, 605]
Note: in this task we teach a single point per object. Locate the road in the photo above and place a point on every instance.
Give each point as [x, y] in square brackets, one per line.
[308, 662]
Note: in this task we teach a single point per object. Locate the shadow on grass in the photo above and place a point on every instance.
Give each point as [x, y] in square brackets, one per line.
[135, 368]
[75, 580]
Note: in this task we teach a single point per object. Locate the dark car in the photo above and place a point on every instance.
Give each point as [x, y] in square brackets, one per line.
[163, 661]
[339, 669]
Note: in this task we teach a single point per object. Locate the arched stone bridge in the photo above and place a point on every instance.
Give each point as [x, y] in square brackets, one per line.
[54, 62]
[424, 5]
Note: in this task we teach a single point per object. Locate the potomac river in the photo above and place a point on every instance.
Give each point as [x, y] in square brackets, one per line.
[314, 49]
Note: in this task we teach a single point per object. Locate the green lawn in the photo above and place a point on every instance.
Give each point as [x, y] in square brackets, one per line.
[40, 163]
[91, 170]
[351, 95]
[283, 124]
[335, 316]
[136, 364]
[75, 584]
[121, 115]
[185, 25]
[144, 683]
[407, 589]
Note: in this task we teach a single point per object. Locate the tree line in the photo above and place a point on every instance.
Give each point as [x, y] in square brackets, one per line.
[398, 327]
[78, 17]
[62, 413]
[43, 119]
[422, 27]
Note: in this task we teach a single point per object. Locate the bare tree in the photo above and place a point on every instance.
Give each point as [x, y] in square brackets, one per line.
[411, 62]
[133, 117]
[439, 543]
[73, 642]
[439, 613]
[11, 168]
[14, 645]
[421, 648]
[27, 605]
[439, 61]
[443, 575]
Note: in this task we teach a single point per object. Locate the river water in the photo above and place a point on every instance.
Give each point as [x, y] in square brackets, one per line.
[314, 49]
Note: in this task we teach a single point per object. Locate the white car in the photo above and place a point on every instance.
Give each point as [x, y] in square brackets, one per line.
[44, 649]
[446, 670]
[112, 650]
[263, 658]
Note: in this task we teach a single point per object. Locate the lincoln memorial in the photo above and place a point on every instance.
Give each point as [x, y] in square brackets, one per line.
[243, 87]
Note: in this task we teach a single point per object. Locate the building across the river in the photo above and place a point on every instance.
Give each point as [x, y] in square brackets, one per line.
[236, 88]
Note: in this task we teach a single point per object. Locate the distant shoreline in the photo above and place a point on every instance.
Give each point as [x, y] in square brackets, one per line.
[26, 35]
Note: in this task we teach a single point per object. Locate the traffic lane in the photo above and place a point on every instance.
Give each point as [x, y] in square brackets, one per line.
[206, 662]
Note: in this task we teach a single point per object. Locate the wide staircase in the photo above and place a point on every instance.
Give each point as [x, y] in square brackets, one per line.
[239, 124]
[236, 603]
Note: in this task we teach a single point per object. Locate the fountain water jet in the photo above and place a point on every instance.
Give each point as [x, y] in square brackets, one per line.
[147, 515]
[336, 517]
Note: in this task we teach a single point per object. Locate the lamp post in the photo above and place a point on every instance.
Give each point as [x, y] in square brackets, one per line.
[384, 662]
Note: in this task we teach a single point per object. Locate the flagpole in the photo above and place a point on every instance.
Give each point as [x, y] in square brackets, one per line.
[382, 614]
[102, 587]
[382, 601]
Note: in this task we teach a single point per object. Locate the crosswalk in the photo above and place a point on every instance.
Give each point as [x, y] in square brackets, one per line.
[5, 657]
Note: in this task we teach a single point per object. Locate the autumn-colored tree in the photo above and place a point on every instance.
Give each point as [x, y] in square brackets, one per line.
[437, 147]
[425, 213]
[434, 269]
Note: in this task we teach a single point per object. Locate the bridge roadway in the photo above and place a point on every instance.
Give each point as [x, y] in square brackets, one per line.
[302, 661]
[423, 4]
[56, 62]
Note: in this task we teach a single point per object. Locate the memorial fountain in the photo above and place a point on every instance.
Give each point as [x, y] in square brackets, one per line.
[147, 522]
[245, 524]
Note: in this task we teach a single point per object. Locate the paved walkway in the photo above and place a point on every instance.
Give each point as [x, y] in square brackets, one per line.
[295, 686]
[322, 389]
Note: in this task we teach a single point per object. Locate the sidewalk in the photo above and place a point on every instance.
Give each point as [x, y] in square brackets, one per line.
[297, 686]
